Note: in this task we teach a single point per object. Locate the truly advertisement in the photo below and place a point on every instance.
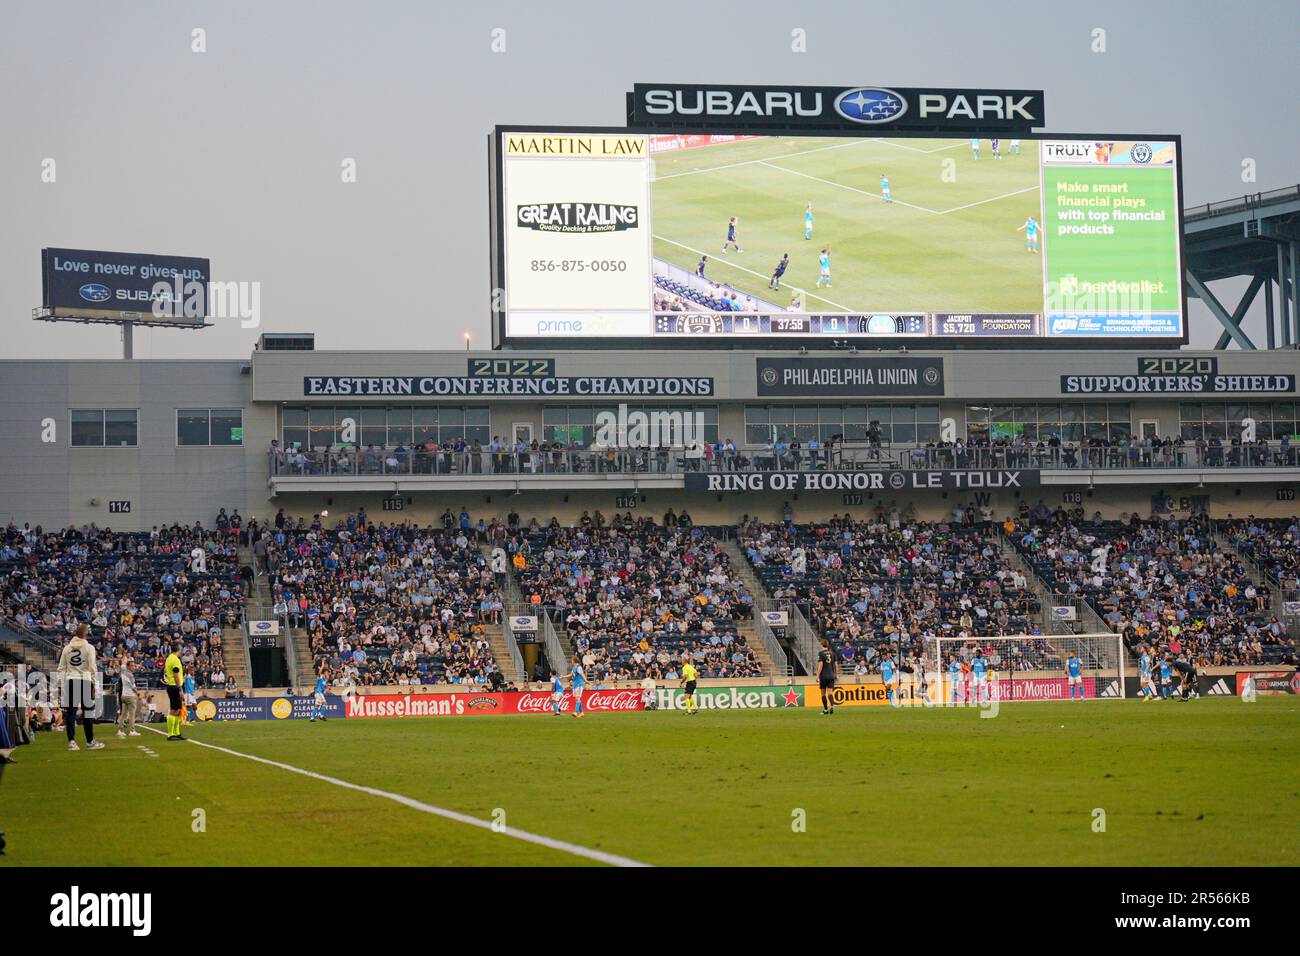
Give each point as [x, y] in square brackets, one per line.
[471, 704]
[1111, 239]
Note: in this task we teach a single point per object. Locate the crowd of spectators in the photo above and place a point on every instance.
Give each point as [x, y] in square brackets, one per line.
[1160, 582]
[1103, 452]
[139, 592]
[886, 586]
[637, 598]
[1272, 543]
[389, 604]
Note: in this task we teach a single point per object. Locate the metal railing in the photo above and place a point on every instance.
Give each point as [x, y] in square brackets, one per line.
[555, 655]
[780, 660]
[405, 463]
[512, 644]
[804, 639]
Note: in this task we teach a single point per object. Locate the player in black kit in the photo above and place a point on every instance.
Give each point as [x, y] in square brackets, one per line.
[826, 677]
[1187, 674]
[775, 281]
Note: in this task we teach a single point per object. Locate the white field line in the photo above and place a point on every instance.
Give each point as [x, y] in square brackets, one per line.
[729, 262]
[754, 162]
[524, 835]
[981, 202]
[828, 182]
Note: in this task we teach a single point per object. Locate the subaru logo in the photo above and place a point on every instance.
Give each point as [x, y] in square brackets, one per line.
[870, 105]
[94, 292]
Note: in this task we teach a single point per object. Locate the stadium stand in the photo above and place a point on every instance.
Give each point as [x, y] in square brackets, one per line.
[1162, 582]
[884, 586]
[383, 604]
[138, 591]
[636, 598]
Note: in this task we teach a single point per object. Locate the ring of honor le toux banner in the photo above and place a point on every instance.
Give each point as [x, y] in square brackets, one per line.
[863, 480]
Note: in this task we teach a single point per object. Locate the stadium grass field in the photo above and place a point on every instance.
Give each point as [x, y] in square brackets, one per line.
[1213, 781]
[959, 227]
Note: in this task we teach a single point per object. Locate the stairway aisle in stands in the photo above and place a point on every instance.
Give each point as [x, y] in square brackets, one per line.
[762, 601]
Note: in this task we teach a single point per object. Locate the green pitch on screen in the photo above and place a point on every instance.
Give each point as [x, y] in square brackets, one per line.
[1138, 251]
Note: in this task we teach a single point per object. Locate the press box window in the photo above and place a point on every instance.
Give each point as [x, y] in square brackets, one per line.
[104, 428]
[210, 426]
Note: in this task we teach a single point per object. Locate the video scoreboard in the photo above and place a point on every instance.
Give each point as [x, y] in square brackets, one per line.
[732, 238]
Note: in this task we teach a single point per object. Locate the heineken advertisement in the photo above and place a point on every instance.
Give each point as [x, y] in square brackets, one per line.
[732, 698]
[746, 482]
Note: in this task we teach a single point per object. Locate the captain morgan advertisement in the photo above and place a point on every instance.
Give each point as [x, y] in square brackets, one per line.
[709, 237]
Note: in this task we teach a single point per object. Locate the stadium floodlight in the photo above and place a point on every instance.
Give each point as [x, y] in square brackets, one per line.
[1022, 667]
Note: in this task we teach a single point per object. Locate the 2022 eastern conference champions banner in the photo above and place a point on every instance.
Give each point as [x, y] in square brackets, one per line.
[865, 480]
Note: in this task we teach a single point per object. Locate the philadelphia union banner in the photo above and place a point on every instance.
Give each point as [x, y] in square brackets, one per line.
[747, 482]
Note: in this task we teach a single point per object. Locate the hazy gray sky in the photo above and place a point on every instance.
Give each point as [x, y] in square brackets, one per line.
[235, 153]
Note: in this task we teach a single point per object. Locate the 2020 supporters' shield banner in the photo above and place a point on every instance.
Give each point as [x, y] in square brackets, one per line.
[747, 482]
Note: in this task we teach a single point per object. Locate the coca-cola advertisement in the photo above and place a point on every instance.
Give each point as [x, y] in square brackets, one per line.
[471, 703]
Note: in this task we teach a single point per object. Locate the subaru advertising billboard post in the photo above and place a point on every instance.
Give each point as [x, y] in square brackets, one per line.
[94, 285]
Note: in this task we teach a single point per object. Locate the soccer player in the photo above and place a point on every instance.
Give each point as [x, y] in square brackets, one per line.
[807, 221]
[1186, 678]
[557, 693]
[1031, 234]
[1015, 146]
[731, 236]
[775, 281]
[975, 148]
[824, 264]
[77, 674]
[954, 677]
[190, 699]
[174, 679]
[579, 682]
[128, 699]
[996, 147]
[885, 194]
[689, 676]
[1145, 676]
[1074, 674]
[826, 677]
[888, 677]
[699, 269]
[318, 702]
[979, 666]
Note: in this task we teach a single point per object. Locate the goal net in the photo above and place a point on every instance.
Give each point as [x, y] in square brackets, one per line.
[978, 670]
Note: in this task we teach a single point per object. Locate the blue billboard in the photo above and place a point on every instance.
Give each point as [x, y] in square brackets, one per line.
[141, 287]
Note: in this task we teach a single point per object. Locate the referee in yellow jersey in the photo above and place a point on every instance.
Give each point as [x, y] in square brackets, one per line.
[173, 678]
[689, 674]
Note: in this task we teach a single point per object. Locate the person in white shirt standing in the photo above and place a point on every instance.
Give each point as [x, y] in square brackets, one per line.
[77, 675]
[128, 699]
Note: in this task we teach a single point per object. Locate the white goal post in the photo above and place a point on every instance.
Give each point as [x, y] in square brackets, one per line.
[1023, 667]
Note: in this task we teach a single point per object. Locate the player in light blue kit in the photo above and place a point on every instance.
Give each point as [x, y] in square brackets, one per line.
[1146, 678]
[954, 675]
[979, 668]
[885, 194]
[318, 701]
[1031, 234]
[557, 693]
[975, 148]
[579, 680]
[1166, 676]
[1074, 674]
[824, 268]
[807, 221]
[889, 677]
[1015, 147]
[191, 700]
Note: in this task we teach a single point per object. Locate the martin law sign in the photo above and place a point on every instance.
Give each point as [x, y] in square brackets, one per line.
[745, 483]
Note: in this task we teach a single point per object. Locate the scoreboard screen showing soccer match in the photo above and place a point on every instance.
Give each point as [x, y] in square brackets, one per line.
[710, 238]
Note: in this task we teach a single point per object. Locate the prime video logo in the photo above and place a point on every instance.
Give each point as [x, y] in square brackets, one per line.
[76, 909]
[218, 300]
[654, 429]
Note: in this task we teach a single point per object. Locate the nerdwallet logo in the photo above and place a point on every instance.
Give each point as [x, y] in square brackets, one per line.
[577, 217]
[102, 910]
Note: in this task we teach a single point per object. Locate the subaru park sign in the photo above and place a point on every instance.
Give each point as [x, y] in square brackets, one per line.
[834, 107]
